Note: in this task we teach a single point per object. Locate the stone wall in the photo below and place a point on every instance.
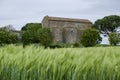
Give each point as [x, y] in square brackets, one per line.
[66, 31]
[70, 35]
[57, 34]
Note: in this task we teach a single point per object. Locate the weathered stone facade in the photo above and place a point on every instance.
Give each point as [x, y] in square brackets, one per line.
[66, 30]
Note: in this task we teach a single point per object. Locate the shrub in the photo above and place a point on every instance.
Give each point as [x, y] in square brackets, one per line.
[89, 37]
[44, 36]
[114, 38]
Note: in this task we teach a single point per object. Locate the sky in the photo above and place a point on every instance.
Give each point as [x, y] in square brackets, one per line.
[20, 12]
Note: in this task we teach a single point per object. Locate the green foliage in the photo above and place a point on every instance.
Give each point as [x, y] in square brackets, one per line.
[89, 37]
[13, 38]
[36, 63]
[29, 33]
[44, 35]
[34, 33]
[31, 26]
[63, 45]
[56, 46]
[7, 37]
[99, 39]
[108, 23]
[76, 45]
[114, 38]
[27, 37]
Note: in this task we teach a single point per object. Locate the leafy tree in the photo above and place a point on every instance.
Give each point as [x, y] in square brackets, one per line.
[89, 37]
[44, 36]
[29, 33]
[107, 24]
[114, 38]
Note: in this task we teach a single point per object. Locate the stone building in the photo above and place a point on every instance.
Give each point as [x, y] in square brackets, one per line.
[66, 30]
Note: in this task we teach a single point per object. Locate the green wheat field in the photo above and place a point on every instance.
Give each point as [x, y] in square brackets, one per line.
[37, 63]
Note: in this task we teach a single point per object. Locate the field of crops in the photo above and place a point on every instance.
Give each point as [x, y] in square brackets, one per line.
[36, 63]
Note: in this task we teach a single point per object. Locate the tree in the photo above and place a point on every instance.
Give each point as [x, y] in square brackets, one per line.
[29, 33]
[44, 36]
[107, 24]
[114, 38]
[89, 37]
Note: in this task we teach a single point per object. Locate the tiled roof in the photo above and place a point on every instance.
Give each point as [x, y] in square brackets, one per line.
[67, 19]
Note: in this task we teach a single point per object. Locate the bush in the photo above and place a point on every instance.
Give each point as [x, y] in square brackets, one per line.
[44, 35]
[114, 38]
[89, 37]
[7, 38]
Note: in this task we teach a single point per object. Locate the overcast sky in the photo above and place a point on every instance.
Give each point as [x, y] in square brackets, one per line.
[20, 12]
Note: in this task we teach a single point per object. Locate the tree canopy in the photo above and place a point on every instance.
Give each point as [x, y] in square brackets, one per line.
[107, 24]
[31, 26]
[29, 33]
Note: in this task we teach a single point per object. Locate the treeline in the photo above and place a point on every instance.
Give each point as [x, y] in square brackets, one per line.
[34, 33]
[30, 33]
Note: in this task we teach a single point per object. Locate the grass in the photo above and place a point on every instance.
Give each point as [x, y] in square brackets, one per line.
[37, 63]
